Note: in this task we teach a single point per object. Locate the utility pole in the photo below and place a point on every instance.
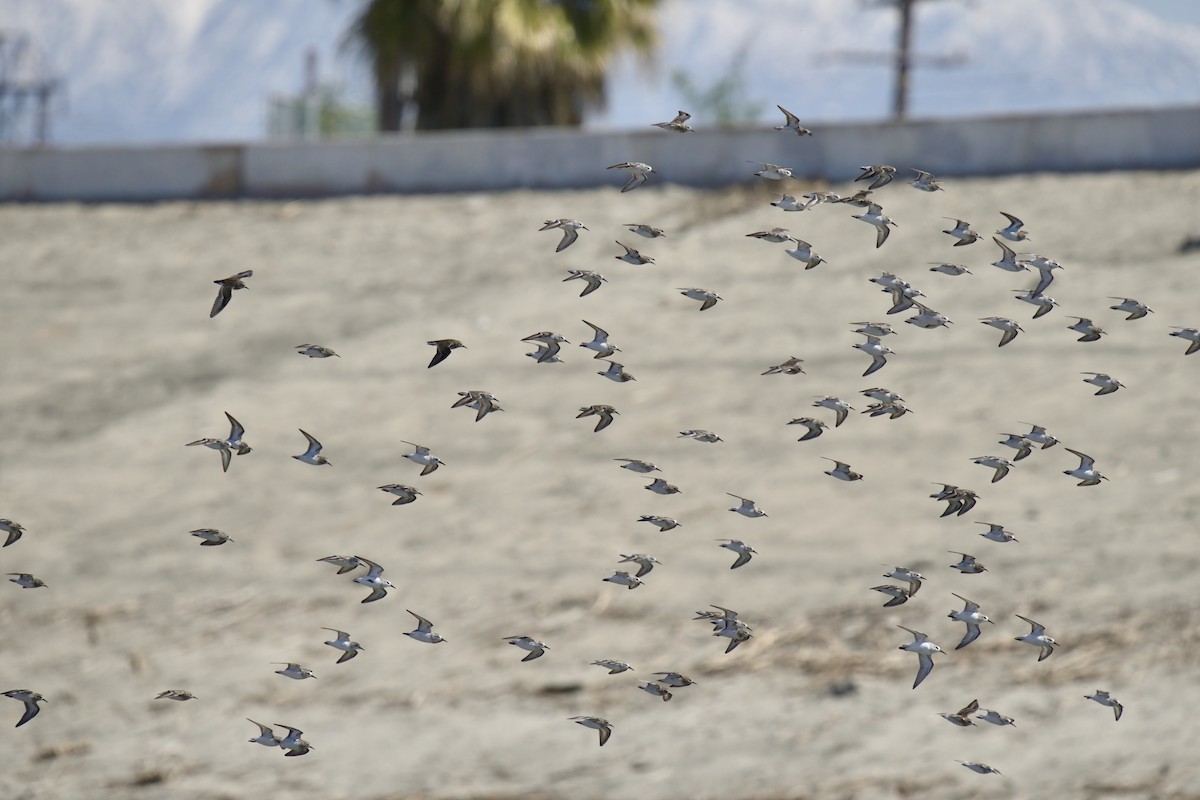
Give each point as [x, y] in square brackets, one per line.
[903, 59]
[22, 79]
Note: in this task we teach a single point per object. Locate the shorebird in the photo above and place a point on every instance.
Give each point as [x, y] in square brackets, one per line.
[404, 494]
[622, 578]
[924, 650]
[1086, 471]
[424, 632]
[604, 412]
[1190, 334]
[1017, 442]
[266, 736]
[1045, 304]
[373, 580]
[1013, 232]
[925, 181]
[645, 562]
[293, 671]
[958, 501]
[1090, 331]
[817, 198]
[25, 580]
[294, 745]
[176, 694]
[1135, 309]
[874, 216]
[592, 279]
[928, 318]
[996, 533]
[860, 199]
[972, 618]
[1038, 638]
[982, 769]
[708, 437]
[313, 454]
[842, 471]
[570, 231]
[963, 233]
[1107, 383]
[642, 229]
[772, 172]
[880, 175]
[211, 536]
[225, 293]
[638, 173]
[679, 124]
[877, 329]
[707, 298]
[840, 407]
[30, 699]
[815, 427]
[898, 594]
[614, 667]
[633, 256]
[343, 563]
[536, 649]
[793, 366]
[995, 717]
[1038, 435]
[949, 269]
[234, 441]
[1046, 267]
[14, 531]
[664, 523]
[596, 724]
[656, 689]
[637, 465]
[220, 445]
[743, 550]
[774, 236]
[424, 457]
[882, 395]
[1001, 465]
[962, 717]
[911, 577]
[315, 351]
[904, 296]
[791, 122]
[483, 402]
[1008, 261]
[616, 372]
[675, 680]
[660, 486]
[878, 352]
[789, 203]
[444, 346]
[803, 252]
[342, 642]
[549, 344]
[967, 565]
[748, 508]
[1008, 326]
[1105, 699]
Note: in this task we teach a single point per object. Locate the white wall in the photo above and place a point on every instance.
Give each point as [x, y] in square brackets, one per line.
[560, 158]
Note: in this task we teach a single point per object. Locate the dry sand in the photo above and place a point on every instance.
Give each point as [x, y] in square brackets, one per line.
[112, 365]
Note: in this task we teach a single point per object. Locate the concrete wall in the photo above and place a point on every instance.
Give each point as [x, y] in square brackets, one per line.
[556, 158]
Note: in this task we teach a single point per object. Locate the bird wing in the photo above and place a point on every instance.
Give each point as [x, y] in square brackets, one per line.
[925, 667]
[443, 352]
[31, 711]
[224, 294]
[971, 635]
[568, 239]
[226, 457]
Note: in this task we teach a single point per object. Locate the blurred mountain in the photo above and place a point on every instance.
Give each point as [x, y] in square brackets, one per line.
[172, 70]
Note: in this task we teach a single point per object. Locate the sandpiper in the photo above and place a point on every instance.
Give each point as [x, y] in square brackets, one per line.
[748, 508]
[664, 523]
[424, 632]
[656, 689]
[623, 578]
[958, 501]
[343, 563]
[220, 445]
[637, 465]
[1105, 699]
[225, 293]
[678, 125]
[774, 236]
[675, 680]
[604, 412]
[30, 699]
[25, 580]
[925, 181]
[1000, 465]
[1038, 435]
[549, 344]
[793, 366]
[266, 736]
[373, 580]
[1045, 266]
[924, 650]
[660, 486]
[743, 550]
[592, 279]
[772, 172]
[877, 350]
[294, 745]
[639, 173]
[874, 216]
[791, 122]
[967, 564]
[570, 231]
[949, 269]
[928, 318]
[1086, 471]
[597, 724]
[536, 649]
[1038, 638]
[342, 642]
[815, 427]
[616, 372]
[892, 410]
[707, 298]
[1008, 261]
[1135, 309]
[14, 531]
[803, 252]
[876, 329]
[911, 577]
[1190, 334]
[789, 203]
[313, 454]
[294, 671]
[642, 229]
[444, 346]
[1107, 383]
[1013, 232]
[1090, 331]
[211, 536]
[962, 717]
[880, 174]
[315, 351]
[963, 233]
[842, 471]
[1045, 304]
[708, 437]
[483, 402]
[424, 457]
[613, 666]
[632, 256]
[898, 594]
[860, 199]
[1008, 326]
[996, 533]
[645, 562]
[1017, 442]
[176, 694]
[404, 494]
[982, 769]
[996, 718]
[234, 440]
[840, 407]
[972, 618]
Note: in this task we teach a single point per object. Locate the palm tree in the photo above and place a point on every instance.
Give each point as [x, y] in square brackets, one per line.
[496, 63]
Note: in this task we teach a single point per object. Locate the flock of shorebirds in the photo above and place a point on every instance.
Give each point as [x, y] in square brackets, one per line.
[726, 623]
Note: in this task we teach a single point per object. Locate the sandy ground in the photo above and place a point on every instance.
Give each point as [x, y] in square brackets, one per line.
[112, 365]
